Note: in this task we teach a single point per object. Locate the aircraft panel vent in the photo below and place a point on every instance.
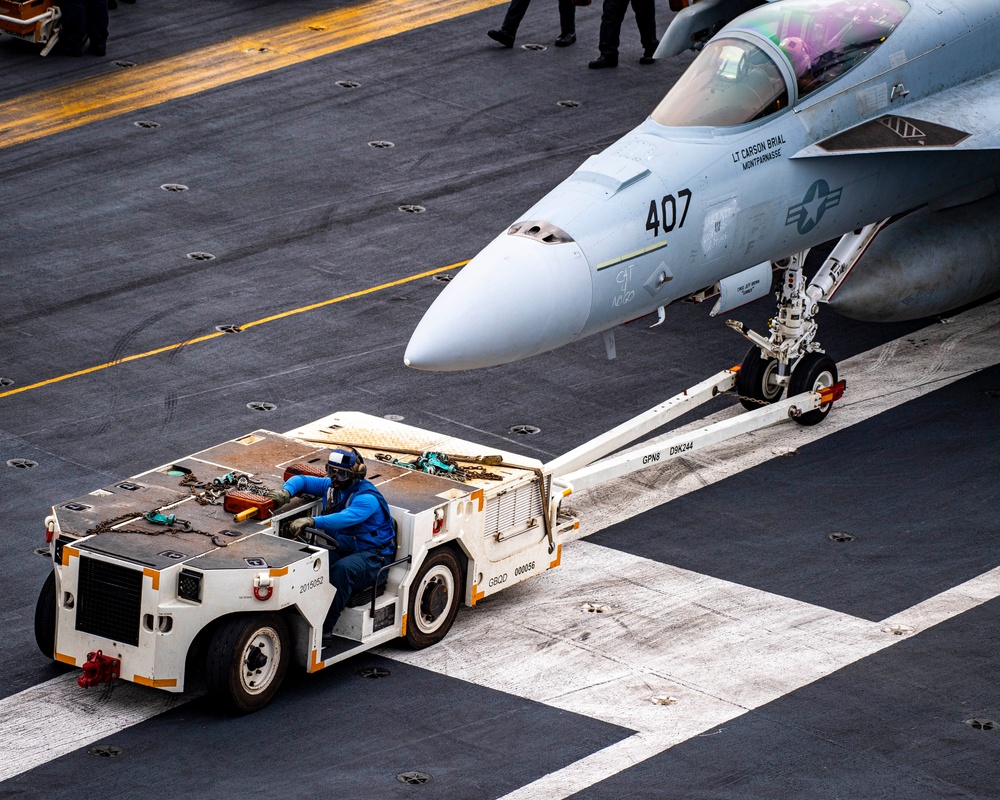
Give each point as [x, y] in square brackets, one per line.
[903, 128]
[892, 132]
[540, 231]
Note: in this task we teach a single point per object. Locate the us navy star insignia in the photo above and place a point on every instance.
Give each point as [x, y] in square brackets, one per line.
[819, 199]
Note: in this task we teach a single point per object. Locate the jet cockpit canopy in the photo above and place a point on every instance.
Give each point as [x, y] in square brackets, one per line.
[737, 79]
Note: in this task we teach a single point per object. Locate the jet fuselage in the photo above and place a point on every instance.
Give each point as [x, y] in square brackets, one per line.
[669, 210]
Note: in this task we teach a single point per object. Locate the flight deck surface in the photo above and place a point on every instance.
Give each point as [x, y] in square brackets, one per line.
[708, 637]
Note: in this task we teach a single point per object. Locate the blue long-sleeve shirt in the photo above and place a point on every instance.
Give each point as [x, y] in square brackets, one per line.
[362, 517]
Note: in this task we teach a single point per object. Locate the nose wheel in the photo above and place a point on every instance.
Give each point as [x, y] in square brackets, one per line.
[814, 371]
[757, 382]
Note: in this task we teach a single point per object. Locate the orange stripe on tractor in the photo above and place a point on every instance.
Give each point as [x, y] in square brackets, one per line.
[153, 576]
[477, 595]
[156, 683]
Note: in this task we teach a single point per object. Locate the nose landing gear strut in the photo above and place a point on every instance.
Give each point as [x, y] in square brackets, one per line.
[790, 358]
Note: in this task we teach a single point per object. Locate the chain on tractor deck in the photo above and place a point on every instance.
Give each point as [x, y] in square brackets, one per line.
[435, 463]
[205, 493]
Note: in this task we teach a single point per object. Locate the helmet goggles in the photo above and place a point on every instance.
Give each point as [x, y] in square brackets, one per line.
[345, 466]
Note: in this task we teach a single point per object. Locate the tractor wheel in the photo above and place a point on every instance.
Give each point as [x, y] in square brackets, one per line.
[247, 660]
[434, 599]
[45, 617]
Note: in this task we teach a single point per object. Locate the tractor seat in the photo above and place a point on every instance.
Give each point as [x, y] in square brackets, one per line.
[363, 594]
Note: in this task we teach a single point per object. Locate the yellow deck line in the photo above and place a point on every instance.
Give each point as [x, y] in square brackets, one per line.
[217, 334]
[43, 113]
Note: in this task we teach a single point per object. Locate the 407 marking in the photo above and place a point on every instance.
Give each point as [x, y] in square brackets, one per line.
[663, 214]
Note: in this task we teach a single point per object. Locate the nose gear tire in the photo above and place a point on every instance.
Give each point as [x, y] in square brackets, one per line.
[756, 382]
[813, 372]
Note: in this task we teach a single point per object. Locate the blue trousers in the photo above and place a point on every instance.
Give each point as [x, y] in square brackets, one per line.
[515, 13]
[347, 573]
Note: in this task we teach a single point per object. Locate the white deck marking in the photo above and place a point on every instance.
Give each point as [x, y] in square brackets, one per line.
[719, 648]
[949, 603]
[57, 717]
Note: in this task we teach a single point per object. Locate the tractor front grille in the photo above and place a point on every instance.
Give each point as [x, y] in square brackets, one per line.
[109, 601]
[513, 508]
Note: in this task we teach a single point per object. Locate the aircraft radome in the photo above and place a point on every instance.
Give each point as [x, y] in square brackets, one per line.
[800, 121]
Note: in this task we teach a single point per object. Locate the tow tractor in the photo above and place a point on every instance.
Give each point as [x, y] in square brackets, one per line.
[188, 567]
[35, 21]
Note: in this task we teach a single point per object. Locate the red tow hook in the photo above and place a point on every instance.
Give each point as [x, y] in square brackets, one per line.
[98, 669]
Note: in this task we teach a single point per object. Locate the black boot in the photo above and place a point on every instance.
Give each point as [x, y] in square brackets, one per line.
[604, 61]
[506, 39]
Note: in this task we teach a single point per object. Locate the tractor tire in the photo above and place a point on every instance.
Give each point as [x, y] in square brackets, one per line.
[45, 617]
[434, 599]
[246, 661]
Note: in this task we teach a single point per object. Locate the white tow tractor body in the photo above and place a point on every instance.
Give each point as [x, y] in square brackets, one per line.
[152, 571]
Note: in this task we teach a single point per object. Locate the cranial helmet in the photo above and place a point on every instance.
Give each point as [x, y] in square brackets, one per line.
[345, 466]
[798, 53]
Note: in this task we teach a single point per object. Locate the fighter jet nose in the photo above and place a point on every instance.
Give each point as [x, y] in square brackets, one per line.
[517, 298]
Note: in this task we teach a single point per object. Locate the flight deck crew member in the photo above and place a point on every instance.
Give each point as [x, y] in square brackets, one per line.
[83, 20]
[357, 516]
[612, 16]
[515, 13]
